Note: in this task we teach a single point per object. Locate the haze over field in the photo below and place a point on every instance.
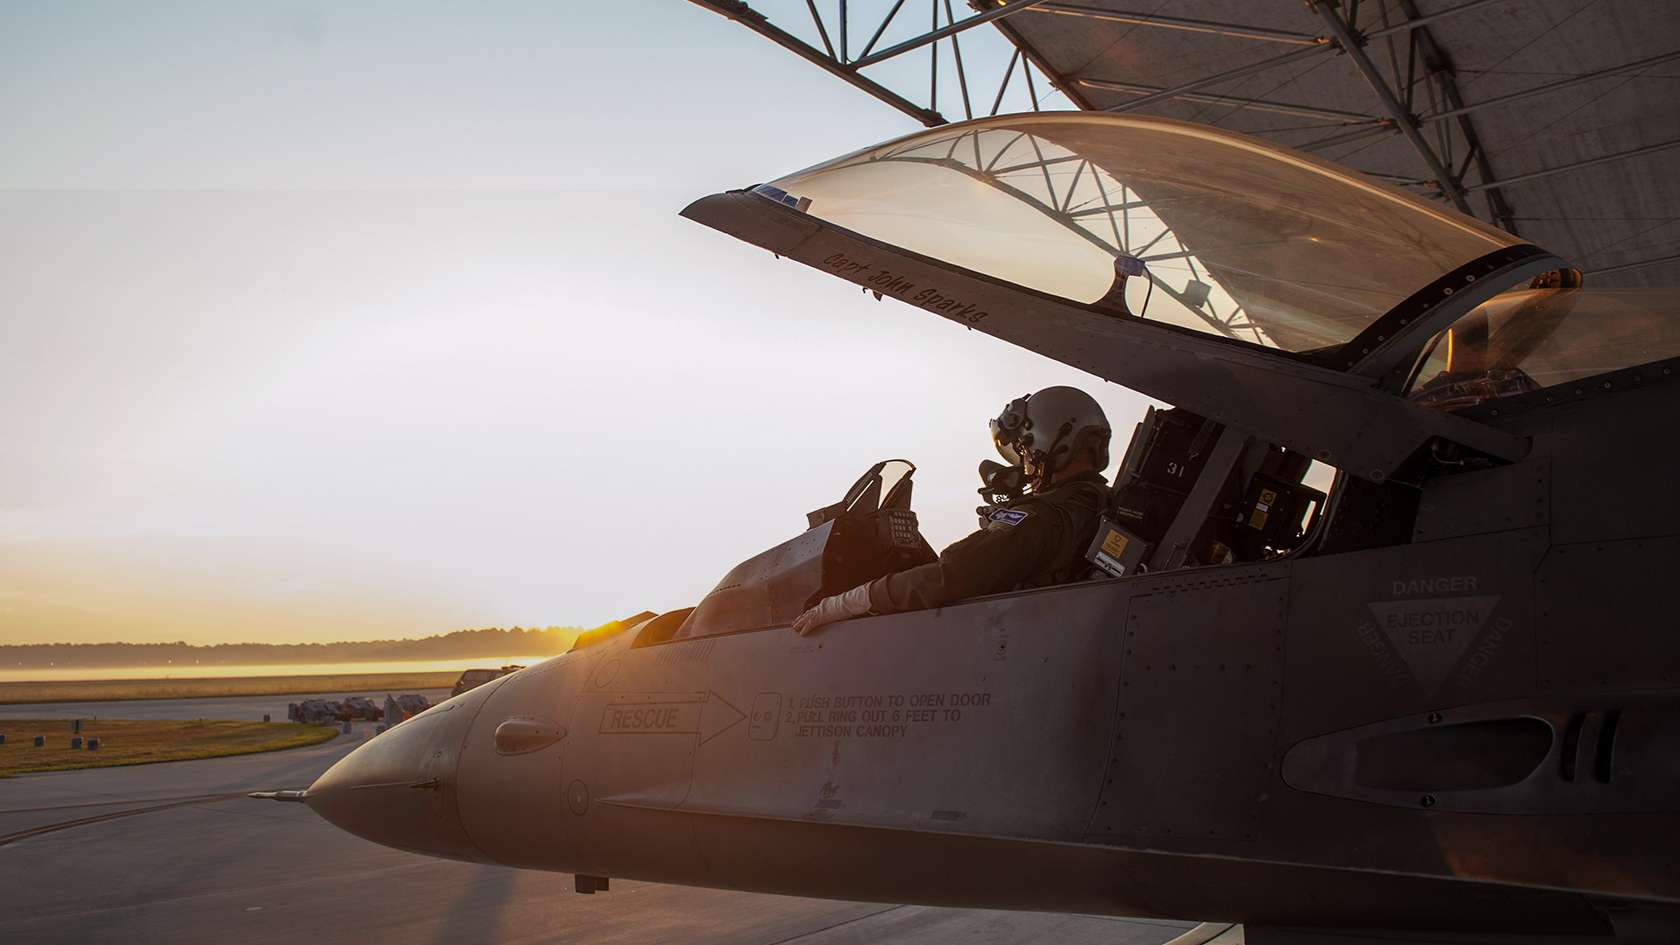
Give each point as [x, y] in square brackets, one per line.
[539, 643]
[333, 322]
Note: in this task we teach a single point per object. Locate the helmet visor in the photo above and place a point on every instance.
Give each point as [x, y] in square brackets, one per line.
[1005, 443]
[1007, 428]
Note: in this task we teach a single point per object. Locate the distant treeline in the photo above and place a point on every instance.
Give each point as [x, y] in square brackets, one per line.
[462, 644]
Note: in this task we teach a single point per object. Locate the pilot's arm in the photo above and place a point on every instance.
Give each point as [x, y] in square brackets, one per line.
[1014, 544]
[1058, 435]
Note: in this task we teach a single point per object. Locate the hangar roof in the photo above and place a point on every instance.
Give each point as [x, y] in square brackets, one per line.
[1554, 119]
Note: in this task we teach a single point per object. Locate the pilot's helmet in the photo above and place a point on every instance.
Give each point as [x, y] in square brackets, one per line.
[1049, 427]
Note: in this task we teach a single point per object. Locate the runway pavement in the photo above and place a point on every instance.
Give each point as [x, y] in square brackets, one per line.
[133, 870]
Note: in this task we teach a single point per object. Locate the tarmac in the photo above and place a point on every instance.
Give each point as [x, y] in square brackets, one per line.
[175, 853]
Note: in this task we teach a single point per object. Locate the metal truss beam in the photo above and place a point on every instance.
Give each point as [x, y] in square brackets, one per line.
[744, 14]
[822, 30]
[1031, 55]
[1397, 179]
[1349, 137]
[1033, 165]
[1109, 209]
[1551, 87]
[1235, 30]
[1003, 86]
[1238, 73]
[1577, 165]
[1440, 68]
[951, 29]
[1240, 31]
[1623, 267]
[1058, 209]
[1254, 104]
[1403, 118]
[1414, 21]
[897, 4]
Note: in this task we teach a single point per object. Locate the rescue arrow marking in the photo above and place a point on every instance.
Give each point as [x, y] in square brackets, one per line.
[705, 714]
[720, 719]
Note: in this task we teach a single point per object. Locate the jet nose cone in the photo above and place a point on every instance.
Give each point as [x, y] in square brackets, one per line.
[398, 789]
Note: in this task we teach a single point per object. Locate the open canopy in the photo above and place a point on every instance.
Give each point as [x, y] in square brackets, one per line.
[1240, 238]
[1246, 282]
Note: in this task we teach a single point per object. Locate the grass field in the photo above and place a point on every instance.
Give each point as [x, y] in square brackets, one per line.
[106, 690]
[141, 741]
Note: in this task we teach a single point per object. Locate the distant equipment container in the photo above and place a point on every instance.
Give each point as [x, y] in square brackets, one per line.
[75, 742]
[265, 716]
[316, 712]
[411, 704]
[40, 741]
[473, 678]
[360, 707]
[76, 727]
[93, 744]
[2, 738]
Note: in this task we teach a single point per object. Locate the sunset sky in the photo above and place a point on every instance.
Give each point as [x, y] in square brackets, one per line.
[324, 321]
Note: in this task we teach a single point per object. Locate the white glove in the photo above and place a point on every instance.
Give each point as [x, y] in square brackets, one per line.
[853, 603]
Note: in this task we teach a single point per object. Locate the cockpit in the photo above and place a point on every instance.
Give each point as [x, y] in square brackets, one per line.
[1330, 344]
[1161, 514]
[1531, 340]
[869, 532]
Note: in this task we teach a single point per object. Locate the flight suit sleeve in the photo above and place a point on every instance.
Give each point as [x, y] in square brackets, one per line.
[994, 559]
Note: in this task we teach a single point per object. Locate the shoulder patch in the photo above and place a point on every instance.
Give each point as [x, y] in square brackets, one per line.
[1008, 516]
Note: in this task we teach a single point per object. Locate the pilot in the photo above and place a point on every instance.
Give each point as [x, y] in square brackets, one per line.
[1057, 442]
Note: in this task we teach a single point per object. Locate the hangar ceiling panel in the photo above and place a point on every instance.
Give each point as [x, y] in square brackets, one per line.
[1554, 119]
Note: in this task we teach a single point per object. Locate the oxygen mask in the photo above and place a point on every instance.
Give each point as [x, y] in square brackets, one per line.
[1001, 483]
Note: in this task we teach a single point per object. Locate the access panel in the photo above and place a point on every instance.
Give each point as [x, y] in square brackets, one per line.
[1200, 691]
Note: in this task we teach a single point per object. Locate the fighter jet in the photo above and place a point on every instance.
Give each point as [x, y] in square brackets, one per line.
[1437, 702]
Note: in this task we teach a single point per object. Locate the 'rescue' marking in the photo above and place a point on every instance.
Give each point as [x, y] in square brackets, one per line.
[705, 714]
[652, 718]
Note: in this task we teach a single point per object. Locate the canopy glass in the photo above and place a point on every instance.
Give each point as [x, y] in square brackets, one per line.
[1537, 338]
[1240, 238]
